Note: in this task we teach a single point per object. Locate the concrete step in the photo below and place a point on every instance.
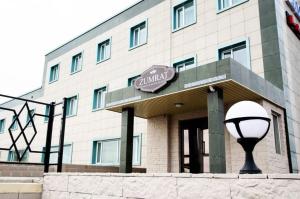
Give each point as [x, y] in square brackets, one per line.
[21, 188]
[21, 179]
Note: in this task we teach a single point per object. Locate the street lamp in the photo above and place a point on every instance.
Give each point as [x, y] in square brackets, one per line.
[249, 123]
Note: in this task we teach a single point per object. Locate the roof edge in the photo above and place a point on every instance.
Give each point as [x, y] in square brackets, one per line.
[105, 21]
[23, 95]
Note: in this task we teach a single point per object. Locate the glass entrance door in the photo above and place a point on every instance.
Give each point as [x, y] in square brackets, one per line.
[194, 146]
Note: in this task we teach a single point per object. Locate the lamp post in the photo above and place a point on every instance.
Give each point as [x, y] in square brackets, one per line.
[249, 123]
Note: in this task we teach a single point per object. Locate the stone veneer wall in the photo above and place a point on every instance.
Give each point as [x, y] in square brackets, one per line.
[95, 186]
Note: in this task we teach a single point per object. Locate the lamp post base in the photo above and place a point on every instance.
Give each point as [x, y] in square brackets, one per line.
[248, 145]
[250, 171]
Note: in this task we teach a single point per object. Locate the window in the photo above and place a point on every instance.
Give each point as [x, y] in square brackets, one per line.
[31, 112]
[103, 51]
[14, 126]
[47, 112]
[184, 14]
[2, 125]
[13, 157]
[107, 152]
[239, 52]
[275, 118]
[138, 35]
[71, 106]
[76, 63]
[136, 156]
[185, 64]
[67, 156]
[54, 70]
[99, 98]
[131, 80]
[225, 4]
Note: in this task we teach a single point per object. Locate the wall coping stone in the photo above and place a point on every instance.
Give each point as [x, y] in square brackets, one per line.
[284, 176]
[203, 175]
[185, 175]
[253, 176]
[182, 175]
[226, 176]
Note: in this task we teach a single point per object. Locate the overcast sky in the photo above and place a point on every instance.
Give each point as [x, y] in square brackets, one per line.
[32, 28]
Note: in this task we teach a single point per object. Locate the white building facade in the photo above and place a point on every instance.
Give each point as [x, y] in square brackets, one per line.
[250, 39]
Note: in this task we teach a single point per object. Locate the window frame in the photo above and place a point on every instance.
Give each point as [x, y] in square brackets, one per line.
[95, 108]
[183, 60]
[28, 118]
[79, 68]
[66, 144]
[229, 45]
[130, 79]
[47, 112]
[131, 30]
[101, 145]
[76, 108]
[95, 151]
[139, 150]
[50, 72]
[15, 123]
[98, 61]
[220, 10]
[9, 155]
[2, 121]
[277, 140]
[180, 4]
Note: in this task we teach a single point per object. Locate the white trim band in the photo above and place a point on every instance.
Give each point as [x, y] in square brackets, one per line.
[205, 81]
[124, 101]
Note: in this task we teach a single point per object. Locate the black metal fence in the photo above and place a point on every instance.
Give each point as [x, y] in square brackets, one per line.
[30, 122]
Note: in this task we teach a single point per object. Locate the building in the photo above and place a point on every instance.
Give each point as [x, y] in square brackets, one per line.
[224, 51]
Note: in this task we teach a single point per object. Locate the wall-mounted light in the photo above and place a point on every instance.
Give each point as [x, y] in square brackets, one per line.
[178, 105]
[211, 89]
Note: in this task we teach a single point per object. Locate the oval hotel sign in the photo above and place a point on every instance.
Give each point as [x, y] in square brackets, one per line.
[154, 78]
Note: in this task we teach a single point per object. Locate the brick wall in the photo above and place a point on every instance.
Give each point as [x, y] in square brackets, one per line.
[14, 170]
[157, 145]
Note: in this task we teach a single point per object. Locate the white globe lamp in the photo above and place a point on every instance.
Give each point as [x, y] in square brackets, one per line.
[249, 123]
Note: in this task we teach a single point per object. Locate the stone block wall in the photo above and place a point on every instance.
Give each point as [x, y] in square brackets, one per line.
[94, 186]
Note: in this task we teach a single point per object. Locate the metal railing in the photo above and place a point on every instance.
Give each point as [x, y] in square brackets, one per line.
[30, 122]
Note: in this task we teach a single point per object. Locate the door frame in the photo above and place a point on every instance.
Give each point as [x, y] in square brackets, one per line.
[201, 123]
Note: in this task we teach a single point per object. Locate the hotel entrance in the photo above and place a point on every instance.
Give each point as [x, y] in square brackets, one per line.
[166, 100]
[194, 146]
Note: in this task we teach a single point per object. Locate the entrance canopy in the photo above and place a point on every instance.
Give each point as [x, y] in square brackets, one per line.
[188, 92]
